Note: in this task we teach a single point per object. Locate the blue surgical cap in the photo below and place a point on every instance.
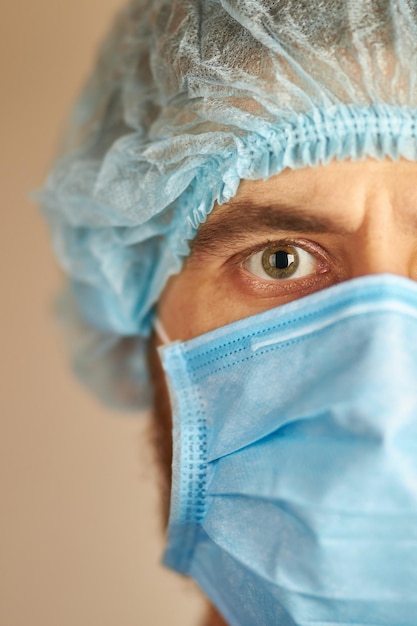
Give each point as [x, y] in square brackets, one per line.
[189, 97]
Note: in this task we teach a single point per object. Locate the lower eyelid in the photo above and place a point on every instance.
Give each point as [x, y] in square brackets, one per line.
[288, 289]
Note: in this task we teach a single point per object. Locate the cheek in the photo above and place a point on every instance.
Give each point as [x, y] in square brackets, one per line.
[199, 300]
[193, 304]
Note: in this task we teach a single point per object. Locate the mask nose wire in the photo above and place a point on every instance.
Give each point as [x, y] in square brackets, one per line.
[161, 332]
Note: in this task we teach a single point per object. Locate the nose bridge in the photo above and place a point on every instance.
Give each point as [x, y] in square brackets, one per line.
[383, 243]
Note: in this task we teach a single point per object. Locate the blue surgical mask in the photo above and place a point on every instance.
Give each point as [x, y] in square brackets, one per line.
[294, 498]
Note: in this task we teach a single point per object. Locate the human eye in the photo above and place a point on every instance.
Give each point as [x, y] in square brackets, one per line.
[283, 261]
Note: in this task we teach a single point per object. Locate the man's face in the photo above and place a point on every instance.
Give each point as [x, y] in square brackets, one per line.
[294, 234]
[277, 241]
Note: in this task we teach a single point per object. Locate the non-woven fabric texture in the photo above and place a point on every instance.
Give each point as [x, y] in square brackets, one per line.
[293, 496]
[189, 97]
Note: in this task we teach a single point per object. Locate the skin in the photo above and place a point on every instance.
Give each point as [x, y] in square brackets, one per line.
[370, 210]
[345, 219]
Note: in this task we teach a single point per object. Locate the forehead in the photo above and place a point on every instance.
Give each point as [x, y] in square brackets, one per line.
[334, 179]
[339, 191]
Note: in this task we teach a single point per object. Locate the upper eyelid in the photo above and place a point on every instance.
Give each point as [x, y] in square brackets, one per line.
[302, 243]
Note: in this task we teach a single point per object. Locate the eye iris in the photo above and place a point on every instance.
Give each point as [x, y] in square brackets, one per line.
[280, 262]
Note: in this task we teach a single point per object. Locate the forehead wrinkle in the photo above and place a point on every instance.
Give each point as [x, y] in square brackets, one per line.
[240, 219]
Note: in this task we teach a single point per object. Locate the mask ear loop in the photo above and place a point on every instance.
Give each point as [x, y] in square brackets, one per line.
[161, 332]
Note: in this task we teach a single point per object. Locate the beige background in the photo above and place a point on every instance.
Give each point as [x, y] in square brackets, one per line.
[79, 537]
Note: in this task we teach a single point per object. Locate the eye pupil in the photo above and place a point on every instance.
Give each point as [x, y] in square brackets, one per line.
[282, 259]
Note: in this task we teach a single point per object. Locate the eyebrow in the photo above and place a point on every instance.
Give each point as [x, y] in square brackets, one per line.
[240, 218]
